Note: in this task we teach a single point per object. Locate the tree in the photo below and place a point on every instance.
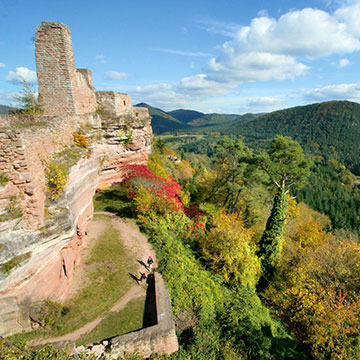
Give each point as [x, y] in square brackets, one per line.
[27, 100]
[286, 166]
[233, 173]
[230, 251]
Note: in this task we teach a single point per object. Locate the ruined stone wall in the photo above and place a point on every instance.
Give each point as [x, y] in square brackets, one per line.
[85, 98]
[23, 155]
[160, 338]
[61, 88]
[115, 102]
[55, 68]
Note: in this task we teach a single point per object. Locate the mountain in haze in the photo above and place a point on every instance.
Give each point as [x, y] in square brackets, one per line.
[161, 121]
[182, 119]
[186, 116]
[4, 109]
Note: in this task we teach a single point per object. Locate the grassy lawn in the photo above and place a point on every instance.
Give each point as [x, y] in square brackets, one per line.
[118, 323]
[106, 280]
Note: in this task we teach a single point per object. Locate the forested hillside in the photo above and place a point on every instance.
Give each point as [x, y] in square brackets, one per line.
[329, 129]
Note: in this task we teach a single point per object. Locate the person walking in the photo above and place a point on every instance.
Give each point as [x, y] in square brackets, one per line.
[142, 277]
[150, 261]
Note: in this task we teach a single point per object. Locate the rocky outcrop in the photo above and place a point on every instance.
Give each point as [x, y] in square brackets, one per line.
[54, 240]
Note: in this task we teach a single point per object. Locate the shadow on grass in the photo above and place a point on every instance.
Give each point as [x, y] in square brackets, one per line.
[150, 311]
[143, 264]
[134, 278]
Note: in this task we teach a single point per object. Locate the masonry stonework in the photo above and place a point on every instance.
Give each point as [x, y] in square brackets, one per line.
[61, 88]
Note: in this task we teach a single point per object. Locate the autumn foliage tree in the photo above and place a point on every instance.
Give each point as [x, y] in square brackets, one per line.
[229, 249]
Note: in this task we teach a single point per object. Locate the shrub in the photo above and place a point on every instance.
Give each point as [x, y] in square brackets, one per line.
[12, 263]
[57, 178]
[3, 178]
[167, 191]
[13, 209]
[80, 140]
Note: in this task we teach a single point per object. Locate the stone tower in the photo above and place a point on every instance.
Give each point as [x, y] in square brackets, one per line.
[62, 88]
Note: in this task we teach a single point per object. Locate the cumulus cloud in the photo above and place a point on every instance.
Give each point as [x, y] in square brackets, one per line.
[307, 32]
[20, 75]
[199, 85]
[343, 63]
[115, 75]
[2, 65]
[253, 66]
[350, 15]
[269, 49]
[334, 92]
[162, 95]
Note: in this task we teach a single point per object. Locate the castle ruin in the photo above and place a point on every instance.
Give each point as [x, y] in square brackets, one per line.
[47, 238]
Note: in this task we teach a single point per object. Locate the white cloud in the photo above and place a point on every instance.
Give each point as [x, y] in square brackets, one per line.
[100, 58]
[268, 49]
[343, 63]
[307, 32]
[2, 65]
[350, 15]
[334, 92]
[198, 85]
[115, 75]
[259, 104]
[183, 53]
[163, 96]
[21, 74]
[234, 67]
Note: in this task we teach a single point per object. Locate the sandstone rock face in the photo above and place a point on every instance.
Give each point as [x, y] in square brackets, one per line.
[55, 240]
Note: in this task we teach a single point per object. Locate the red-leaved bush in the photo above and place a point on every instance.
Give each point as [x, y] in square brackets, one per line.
[166, 190]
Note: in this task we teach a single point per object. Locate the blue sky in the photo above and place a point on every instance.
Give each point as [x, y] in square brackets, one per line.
[211, 56]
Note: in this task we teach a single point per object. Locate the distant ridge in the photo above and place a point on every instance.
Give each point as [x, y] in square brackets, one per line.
[182, 119]
[4, 109]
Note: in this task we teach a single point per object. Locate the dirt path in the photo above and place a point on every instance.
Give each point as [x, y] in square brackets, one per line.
[140, 248]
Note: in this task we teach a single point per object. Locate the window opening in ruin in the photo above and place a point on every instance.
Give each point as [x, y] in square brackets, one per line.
[124, 102]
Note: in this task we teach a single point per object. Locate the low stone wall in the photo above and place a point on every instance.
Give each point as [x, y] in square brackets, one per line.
[160, 338]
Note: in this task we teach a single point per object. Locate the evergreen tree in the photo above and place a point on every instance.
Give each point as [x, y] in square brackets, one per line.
[287, 167]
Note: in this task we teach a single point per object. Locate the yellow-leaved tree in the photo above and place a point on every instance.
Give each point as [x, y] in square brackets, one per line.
[229, 250]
